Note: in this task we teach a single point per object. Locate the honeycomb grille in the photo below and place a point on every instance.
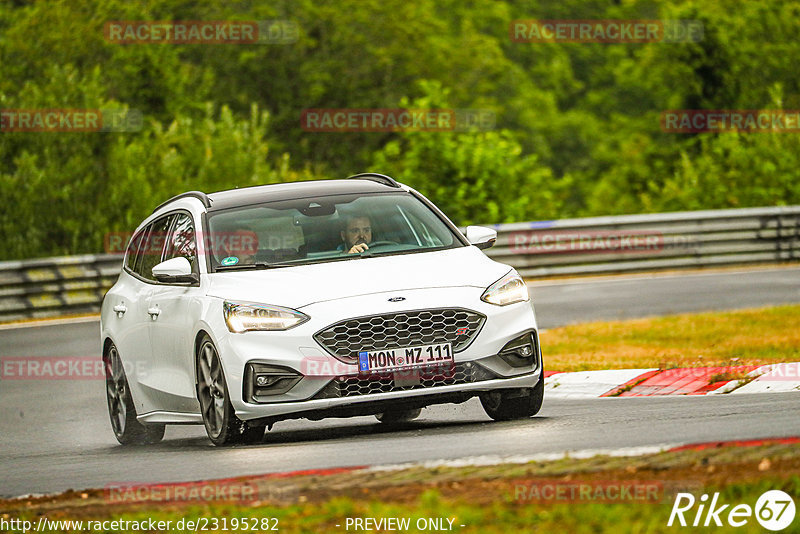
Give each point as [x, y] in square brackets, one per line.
[353, 386]
[397, 330]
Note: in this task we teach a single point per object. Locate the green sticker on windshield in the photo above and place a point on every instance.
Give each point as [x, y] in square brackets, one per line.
[230, 260]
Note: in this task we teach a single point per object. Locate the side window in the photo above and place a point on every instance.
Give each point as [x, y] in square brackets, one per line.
[133, 252]
[153, 248]
[182, 242]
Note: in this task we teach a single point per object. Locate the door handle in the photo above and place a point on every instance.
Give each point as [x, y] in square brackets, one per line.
[120, 310]
[154, 312]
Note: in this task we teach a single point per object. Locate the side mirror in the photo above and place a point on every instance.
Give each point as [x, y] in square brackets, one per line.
[480, 236]
[175, 270]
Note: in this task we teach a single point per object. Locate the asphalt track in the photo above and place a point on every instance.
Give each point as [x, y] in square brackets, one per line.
[55, 435]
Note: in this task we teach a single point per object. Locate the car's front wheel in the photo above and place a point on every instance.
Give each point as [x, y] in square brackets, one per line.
[222, 425]
[127, 429]
[514, 404]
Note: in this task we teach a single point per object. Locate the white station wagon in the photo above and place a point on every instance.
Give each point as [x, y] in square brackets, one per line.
[331, 298]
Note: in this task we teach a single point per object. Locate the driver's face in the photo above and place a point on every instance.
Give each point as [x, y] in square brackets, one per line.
[358, 231]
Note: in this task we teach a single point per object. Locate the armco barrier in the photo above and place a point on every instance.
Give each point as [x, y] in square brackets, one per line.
[650, 242]
[55, 286]
[628, 243]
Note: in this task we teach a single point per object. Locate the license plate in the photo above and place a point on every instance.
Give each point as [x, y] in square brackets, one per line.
[405, 358]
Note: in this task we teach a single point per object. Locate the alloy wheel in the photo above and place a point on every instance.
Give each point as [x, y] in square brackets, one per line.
[211, 389]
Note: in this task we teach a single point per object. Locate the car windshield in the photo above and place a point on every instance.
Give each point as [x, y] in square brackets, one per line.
[331, 228]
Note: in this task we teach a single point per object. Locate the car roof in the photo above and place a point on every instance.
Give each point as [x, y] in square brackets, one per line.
[293, 190]
[259, 194]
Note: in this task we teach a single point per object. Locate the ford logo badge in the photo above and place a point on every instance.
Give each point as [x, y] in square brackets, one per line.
[397, 299]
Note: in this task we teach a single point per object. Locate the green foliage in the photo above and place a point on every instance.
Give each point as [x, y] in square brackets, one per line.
[577, 124]
[66, 190]
[473, 176]
[736, 170]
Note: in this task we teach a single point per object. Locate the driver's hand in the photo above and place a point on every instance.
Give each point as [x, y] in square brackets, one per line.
[357, 249]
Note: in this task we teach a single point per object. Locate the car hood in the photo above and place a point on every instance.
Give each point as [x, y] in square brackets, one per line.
[303, 285]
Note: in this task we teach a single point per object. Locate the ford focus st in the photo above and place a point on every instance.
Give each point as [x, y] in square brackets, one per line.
[331, 298]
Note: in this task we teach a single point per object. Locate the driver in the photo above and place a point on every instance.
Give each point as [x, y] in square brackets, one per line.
[356, 234]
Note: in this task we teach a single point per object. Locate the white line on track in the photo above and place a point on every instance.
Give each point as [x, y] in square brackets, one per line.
[50, 322]
[649, 276]
[474, 461]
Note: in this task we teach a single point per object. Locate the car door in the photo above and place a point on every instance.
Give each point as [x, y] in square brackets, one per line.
[134, 336]
[131, 323]
[174, 309]
[128, 323]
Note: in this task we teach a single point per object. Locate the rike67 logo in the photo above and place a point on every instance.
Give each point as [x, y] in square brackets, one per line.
[774, 510]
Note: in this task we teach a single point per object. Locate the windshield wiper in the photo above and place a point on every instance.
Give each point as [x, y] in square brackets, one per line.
[397, 252]
[245, 266]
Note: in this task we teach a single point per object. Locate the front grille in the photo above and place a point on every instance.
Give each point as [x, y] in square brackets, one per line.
[397, 330]
[366, 384]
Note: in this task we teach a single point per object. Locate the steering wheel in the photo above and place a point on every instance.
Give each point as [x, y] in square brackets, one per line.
[381, 243]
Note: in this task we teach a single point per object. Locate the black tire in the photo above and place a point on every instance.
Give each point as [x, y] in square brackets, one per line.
[121, 411]
[509, 405]
[398, 416]
[252, 434]
[219, 419]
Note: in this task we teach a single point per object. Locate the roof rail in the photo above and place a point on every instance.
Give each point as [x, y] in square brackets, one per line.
[375, 177]
[189, 194]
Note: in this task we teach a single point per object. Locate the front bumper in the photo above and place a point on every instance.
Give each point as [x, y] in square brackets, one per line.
[376, 402]
[296, 349]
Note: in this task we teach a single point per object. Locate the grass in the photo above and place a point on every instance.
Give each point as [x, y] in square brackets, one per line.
[744, 337]
[628, 387]
[728, 376]
[499, 498]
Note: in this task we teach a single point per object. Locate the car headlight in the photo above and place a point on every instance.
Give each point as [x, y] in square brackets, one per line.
[243, 317]
[508, 290]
